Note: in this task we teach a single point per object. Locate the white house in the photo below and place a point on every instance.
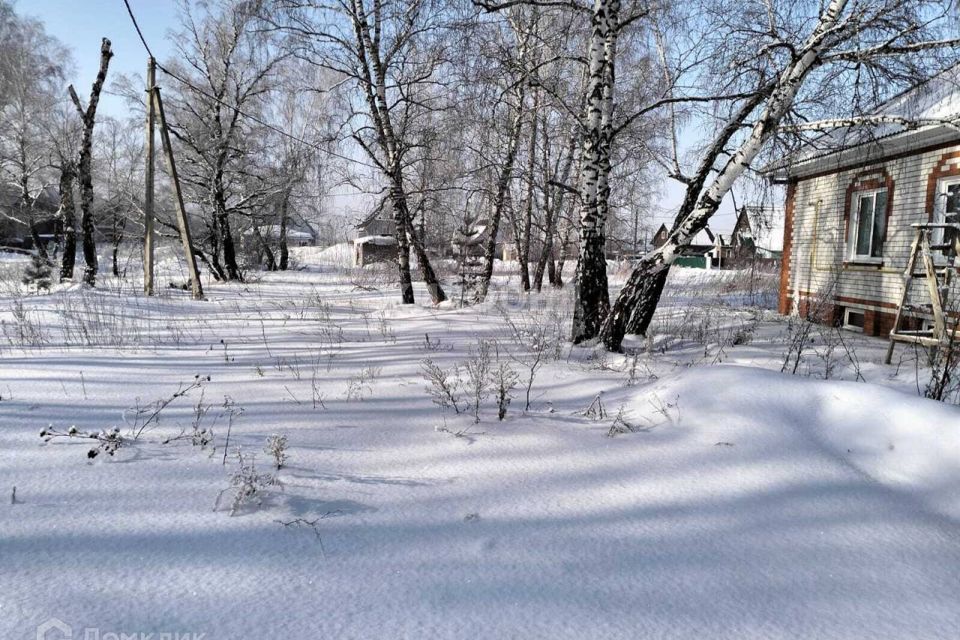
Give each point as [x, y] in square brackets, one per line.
[849, 211]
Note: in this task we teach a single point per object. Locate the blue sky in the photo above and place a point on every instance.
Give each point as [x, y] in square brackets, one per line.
[80, 24]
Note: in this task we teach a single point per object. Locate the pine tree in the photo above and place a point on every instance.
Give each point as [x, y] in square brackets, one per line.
[37, 273]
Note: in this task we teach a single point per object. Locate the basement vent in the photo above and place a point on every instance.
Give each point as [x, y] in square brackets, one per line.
[853, 319]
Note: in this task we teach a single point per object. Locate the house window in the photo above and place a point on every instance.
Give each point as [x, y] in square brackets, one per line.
[867, 225]
[947, 210]
[853, 319]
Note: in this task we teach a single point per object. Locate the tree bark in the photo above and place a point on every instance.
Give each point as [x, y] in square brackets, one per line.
[284, 250]
[88, 115]
[406, 229]
[229, 249]
[403, 245]
[522, 230]
[591, 295]
[501, 196]
[552, 207]
[270, 261]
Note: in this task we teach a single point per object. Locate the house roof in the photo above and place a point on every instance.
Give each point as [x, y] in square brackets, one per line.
[765, 227]
[383, 211]
[934, 105]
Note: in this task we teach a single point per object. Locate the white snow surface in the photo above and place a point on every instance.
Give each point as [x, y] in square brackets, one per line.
[747, 504]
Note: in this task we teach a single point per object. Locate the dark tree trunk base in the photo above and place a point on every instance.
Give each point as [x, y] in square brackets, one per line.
[591, 294]
[634, 308]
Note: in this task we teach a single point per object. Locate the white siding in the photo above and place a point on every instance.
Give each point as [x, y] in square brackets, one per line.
[819, 246]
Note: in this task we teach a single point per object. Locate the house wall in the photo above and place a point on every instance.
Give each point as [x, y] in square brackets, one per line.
[818, 277]
[365, 253]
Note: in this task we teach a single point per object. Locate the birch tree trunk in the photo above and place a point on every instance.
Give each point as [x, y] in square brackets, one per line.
[403, 247]
[501, 195]
[68, 215]
[284, 216]
[269, 259]
[591, 296]
[638, 299]
[415, 242]
[372, 76]
[553, 207]
[88, 116]
[522, 227]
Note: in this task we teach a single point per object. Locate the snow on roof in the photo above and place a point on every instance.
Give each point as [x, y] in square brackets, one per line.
[766, 227]
[378, 240]
[937, 99]
[273, 231]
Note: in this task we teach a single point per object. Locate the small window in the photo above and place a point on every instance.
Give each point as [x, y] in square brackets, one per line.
[853, 319]
[867, 225]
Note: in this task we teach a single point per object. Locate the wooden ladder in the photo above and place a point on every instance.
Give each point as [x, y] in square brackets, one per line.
[938, 279]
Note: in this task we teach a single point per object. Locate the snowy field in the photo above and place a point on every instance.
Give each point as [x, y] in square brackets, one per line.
[690, 491]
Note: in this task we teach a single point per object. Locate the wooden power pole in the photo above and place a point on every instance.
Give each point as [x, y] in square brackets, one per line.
[148, 191]
[155, 110]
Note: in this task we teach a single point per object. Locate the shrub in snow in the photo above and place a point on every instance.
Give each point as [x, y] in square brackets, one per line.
[537, 340]
[107, 441]
[247, 484]
[944, 372]
[620, 425]
[477, 370]
[144, 417]
[358, 387]
[276, 447]
[594, 410]
[503, 380]
[444, 387]
[25, 329]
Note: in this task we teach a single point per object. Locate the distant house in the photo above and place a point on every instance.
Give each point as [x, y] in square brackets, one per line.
[850, 210]
[660, 236]
[299, 234]
[699, 253]
[756, 239]
[47, 223]
[375, 237]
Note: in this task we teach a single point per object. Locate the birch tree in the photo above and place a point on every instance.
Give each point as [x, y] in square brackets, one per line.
[224, 73]
[392, 54]
[782, 64]
[66, 133]
[597, 120]
[31, 76]
[88, 116]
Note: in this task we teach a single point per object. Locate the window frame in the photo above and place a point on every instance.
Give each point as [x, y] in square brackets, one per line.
[854, 225]
[846, 319]
[940, 211]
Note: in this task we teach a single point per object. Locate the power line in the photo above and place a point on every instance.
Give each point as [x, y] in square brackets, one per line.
[137, 27]
[254, 118]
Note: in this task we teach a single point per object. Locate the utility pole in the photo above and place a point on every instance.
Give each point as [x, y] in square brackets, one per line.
[182, 222]
[148, 191]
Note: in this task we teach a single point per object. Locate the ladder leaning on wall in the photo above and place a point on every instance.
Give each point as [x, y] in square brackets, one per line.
[938, 277]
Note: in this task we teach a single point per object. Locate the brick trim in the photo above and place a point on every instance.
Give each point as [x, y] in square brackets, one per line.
[943, 169]
[869, 180]
[784, 303]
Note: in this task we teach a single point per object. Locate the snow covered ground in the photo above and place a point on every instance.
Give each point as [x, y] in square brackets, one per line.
[737, 501]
